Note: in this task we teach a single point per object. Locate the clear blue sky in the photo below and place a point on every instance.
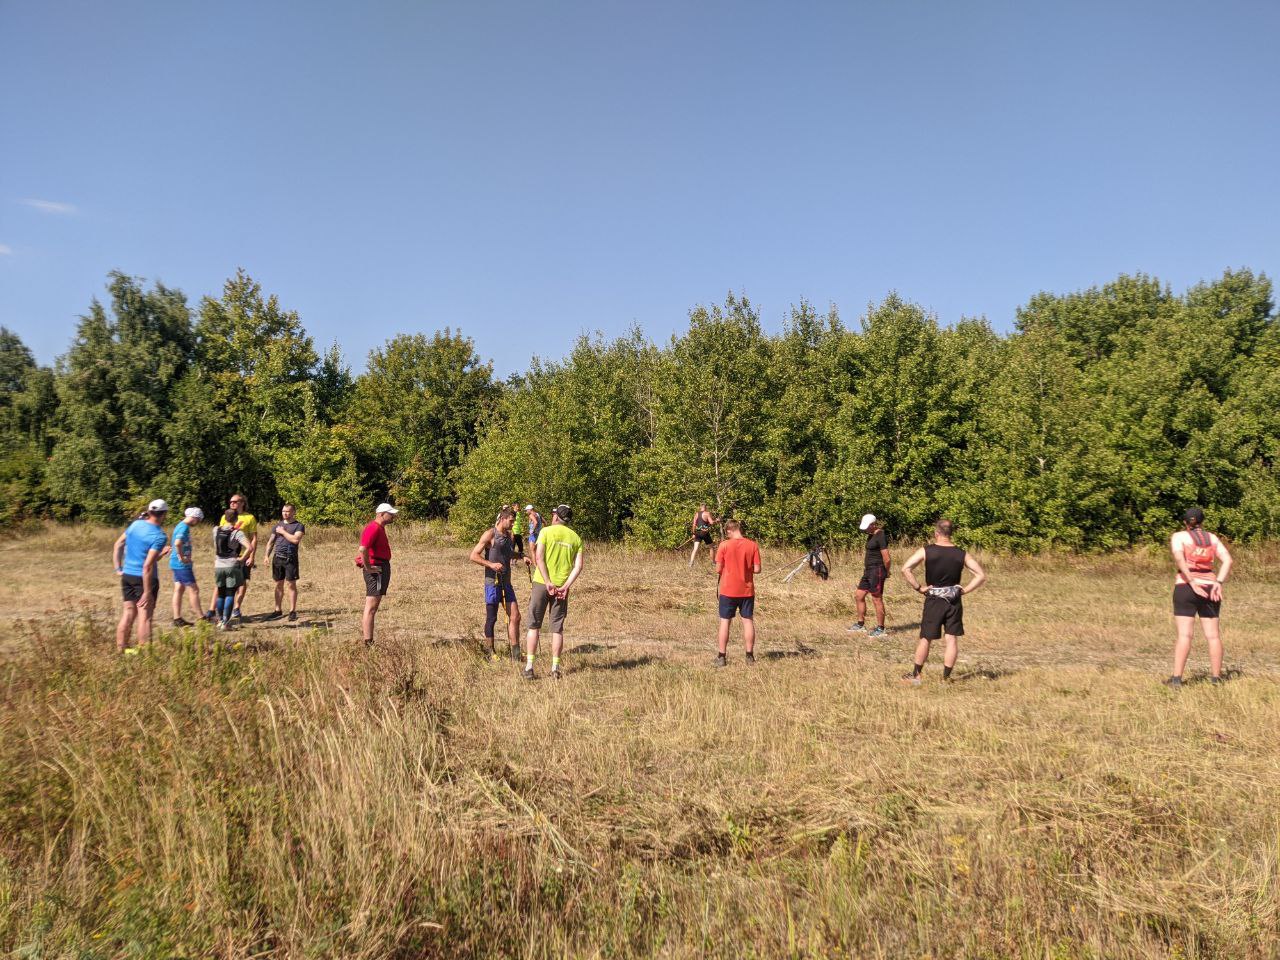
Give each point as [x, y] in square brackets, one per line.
[527, 171]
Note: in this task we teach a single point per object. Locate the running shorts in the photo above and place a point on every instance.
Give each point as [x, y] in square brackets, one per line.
[375, 584]
[284, 568]
[703, 536]
[743, 605]
[184, 575]
[542, 603]
[942, 616]
[246, 572]
[131, 587]
[873, 580]
[1188, 603]
[495, 592]
[228, 578]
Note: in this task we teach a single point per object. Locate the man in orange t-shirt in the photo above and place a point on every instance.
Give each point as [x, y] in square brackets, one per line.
[737, 562]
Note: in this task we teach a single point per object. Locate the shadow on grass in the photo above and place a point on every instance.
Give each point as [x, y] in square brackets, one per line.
[800, 651]
[982, 673]
[1230, 673]
[593, 647]
[630, 663]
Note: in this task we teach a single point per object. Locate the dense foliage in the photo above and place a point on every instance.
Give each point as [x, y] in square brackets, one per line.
[1090, 425]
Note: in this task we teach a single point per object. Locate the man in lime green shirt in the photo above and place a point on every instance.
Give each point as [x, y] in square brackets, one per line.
[248, 525]
[559, 564]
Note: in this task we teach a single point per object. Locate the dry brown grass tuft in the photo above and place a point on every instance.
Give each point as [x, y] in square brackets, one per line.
[302, 797]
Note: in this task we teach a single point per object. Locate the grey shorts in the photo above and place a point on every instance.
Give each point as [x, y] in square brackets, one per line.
[541, 604]
[229, 578]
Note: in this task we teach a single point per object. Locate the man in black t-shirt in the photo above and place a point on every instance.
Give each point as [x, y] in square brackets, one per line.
[283, 550]
[943, 614]
[875, 570]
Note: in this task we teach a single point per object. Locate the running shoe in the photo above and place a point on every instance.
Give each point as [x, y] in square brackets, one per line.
[721, 660]
[878, 632]
[492, 656]
[857, 628]
[516, 655]
[1173, 683]
[274, 616]
[751, 657]
[528, 673]
[555, 673]
[293, 615]
[130, 651]
[222, 625]
[181, 623]
[1216, 680]
[237, 615]
[367, 641]
[911, 679]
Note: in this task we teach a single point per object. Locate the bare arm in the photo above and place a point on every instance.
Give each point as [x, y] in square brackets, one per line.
[478, 551]
[116, 560]
[913, 561]
[573, 574]
[540, 559]
[979, 575]
[271, 541]
[888, 566]
[148, 571]
[1180, 561]
[1224, 571]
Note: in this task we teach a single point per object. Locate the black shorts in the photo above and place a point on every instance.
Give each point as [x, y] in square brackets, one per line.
[131, 587]
[244, 573]
[1188, 603]
[873, 581]
[284, 568]
[703, 536]
[542, 603]
[942, 616]
[743, 605]
[375, 584]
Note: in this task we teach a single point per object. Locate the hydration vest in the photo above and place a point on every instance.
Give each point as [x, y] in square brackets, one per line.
[1201, 553]
[224, 544]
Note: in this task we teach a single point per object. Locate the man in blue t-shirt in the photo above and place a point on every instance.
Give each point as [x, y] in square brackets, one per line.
[136, 556]
[184, 574]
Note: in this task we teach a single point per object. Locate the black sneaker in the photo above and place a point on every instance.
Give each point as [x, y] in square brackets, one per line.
[293, 615]
[181, 623]
[276, 615]
[1173, 683]
[1216, 681]
[721, 660]
[751, 657]
[528, 673]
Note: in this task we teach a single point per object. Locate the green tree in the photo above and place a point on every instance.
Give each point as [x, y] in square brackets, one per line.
[115, 399]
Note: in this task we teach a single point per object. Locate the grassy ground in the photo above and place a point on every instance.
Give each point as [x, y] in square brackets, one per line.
[304, 797]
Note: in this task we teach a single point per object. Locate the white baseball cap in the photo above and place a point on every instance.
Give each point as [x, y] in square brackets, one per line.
[386, 508]
[528, 506]
[867, 520]
[157, 506]
[193, 513]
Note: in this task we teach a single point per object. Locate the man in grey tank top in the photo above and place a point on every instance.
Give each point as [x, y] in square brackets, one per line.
[494, 551]
[943, 613]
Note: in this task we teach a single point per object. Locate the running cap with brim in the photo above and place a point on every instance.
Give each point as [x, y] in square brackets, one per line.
[528, 507]
[867, 520]
[564, 512]
[157, 506]
[386, 508]
[1193, 515]
[193, 513]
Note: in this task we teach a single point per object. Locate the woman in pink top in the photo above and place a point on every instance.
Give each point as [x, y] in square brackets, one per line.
[1197, 592]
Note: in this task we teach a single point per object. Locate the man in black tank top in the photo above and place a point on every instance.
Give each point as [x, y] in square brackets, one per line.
[494, 552]
[943, 613]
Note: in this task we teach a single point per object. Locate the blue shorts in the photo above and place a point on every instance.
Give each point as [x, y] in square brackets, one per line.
[743, 605]
[184, 575]
[495, 591]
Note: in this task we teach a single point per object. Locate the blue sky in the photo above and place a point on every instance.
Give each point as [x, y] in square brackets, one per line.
[528, 171]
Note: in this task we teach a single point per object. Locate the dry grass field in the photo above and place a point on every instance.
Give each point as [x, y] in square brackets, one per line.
[300, 796]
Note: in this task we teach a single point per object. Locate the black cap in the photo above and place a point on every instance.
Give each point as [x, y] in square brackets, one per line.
[564, 512]
[1193, 515]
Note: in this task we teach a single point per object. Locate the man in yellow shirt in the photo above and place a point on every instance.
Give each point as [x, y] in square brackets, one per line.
[558, 559]
[247, 524]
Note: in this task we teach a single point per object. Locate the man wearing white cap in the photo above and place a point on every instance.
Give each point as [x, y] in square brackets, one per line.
[135, 556]
[375, 561]
[184, 574]
[875, 570]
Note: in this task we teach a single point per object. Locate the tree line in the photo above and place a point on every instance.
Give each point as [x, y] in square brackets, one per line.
[1092, 424]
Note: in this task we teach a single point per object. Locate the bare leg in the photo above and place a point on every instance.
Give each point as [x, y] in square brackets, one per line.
[371, 605]
[694, 556]
[292, 586]
[749, 634]
[1213, 636]
[146, 609]
[952, 651]
[531, 641]
[557, 644]
[879, 602]
[177, 601]
[860, 601]
[513, 623]
[1182, 649]
[244, 588]
[196, 605]
[127, 616]
[279, 594]
[922, 652]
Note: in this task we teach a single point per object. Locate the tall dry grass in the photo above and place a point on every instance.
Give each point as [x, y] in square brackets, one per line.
[302, 797]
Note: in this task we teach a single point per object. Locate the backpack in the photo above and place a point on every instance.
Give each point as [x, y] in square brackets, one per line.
[224, 543]
[1201, 554]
